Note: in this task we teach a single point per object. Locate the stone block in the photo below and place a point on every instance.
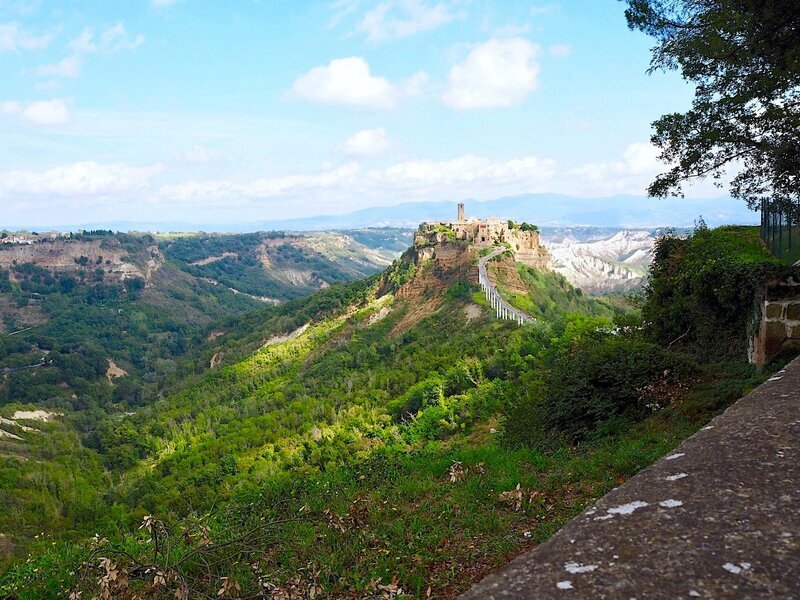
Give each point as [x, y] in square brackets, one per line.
[794, 332]
[793, 311]
[773, 310]
[775, 330]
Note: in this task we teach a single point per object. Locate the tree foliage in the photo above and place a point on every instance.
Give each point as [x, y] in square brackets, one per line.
[744, 58]
[705, 290]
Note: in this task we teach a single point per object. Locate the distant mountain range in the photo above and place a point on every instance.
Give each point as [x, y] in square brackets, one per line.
[549, 210]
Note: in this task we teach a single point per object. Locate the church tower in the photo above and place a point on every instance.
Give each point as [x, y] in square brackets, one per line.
[461, 212]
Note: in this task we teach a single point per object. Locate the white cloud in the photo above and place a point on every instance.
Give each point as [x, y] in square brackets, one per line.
[349, 82]
[276, 187]
[42, 112]
[466, 176]
[14, 38]
[560, 50]
[49, 85]
[630, 175]
[116, 38]
[511, 30]
[113, 39]
[163, 3]
[413, 86]
[20, 7]
[544, 9]
[120, 188]
[466, 172]
[79, 179]
[83, 44]
[341, 10]
[69, 67]
[368, 142]
[497, 73]
[395, 19]
[10, 107]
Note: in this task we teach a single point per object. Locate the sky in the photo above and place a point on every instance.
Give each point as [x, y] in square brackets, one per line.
[231, 111]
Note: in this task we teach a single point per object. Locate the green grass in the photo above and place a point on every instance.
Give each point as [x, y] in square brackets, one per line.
[550, 296]
[479, 298]
[740, 243]
[706, 290]
[404, 519]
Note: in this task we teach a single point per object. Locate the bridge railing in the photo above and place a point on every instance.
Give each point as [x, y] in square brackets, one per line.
[503, 309]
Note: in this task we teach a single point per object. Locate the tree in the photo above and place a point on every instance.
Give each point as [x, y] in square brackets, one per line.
[744, 58]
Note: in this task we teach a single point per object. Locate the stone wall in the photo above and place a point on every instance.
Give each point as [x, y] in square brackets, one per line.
[779, 327]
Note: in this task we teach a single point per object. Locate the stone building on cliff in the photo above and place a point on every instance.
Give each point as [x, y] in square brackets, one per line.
[521, 238]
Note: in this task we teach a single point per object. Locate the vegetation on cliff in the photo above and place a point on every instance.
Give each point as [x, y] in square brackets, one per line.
[706, 290]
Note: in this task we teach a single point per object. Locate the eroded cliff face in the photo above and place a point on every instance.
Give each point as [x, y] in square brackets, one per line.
[612, 263]
[421, 277]
[435, 267]
[503, 272]
[528, 249]
[73, 255]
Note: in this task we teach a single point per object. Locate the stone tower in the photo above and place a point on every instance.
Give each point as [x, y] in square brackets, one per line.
[461, 211]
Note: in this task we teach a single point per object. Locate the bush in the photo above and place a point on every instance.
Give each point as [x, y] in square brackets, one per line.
[425, 393]
[596, 385]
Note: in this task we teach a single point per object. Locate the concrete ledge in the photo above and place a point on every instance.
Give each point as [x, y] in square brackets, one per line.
[717, 518]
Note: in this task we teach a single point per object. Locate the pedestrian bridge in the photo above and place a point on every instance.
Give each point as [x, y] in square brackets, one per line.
[504, 309]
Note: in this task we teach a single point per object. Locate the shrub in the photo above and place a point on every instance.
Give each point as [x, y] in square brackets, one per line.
[593, 386]
[425, 393]
[704, 289]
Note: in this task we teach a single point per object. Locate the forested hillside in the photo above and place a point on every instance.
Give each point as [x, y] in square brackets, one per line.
[383, 438]
[101, 307]
[95, 326]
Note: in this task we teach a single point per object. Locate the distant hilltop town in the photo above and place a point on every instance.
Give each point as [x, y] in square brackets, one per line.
[521, 238]
[27, 239]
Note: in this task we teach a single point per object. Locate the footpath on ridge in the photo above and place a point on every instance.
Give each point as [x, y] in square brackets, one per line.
[717, 518]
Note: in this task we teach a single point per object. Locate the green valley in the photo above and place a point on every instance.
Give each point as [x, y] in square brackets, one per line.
[97, 325]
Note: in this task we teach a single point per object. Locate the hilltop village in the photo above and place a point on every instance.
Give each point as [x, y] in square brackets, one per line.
[521, 238]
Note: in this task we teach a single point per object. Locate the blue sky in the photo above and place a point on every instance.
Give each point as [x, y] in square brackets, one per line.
[228, 111]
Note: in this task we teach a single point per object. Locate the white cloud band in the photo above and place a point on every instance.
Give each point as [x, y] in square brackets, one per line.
[41, 112]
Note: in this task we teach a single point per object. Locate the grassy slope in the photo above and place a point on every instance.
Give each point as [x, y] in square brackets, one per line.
[706, 290]
[392, 512]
